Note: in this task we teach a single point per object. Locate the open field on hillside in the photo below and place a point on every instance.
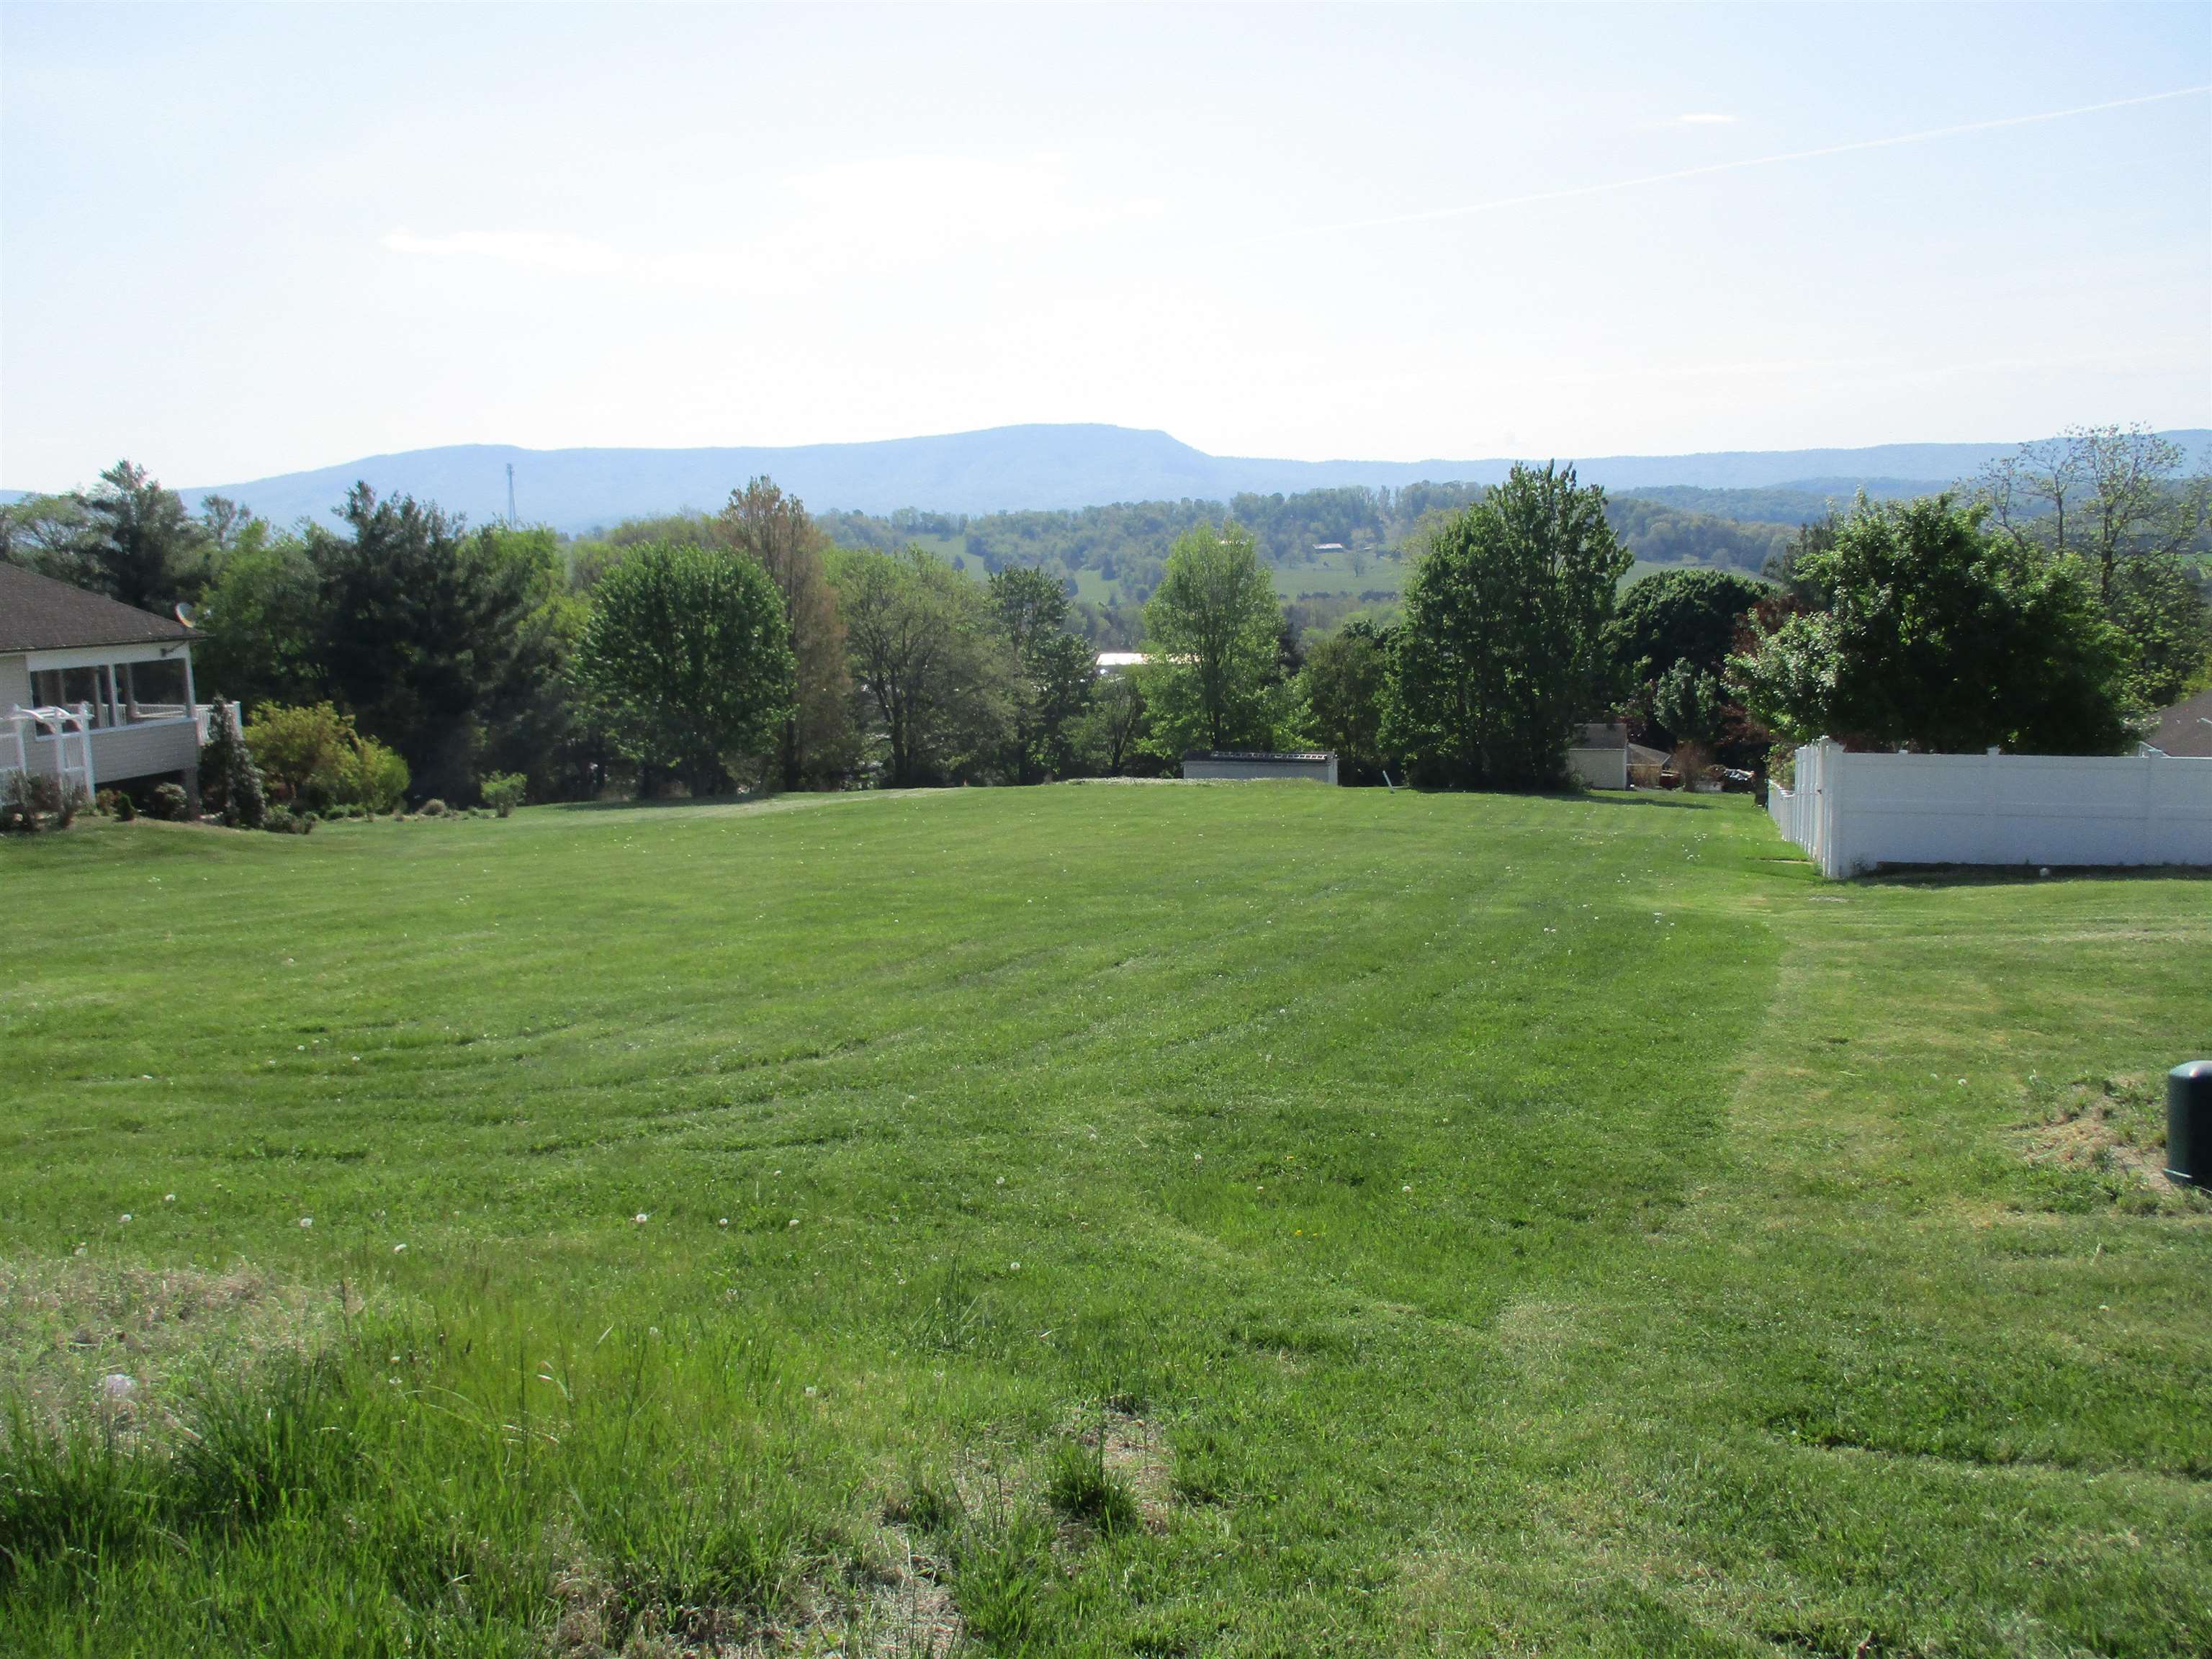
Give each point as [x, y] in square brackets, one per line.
[1102, 1218]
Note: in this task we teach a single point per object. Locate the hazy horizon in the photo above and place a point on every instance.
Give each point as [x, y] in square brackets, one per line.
[237, 243]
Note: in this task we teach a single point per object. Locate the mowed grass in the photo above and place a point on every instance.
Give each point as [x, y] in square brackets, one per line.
[1102, 1218]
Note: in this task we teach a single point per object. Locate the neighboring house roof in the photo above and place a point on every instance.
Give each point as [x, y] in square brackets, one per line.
[2182, 729]
[1308, 756]
[1121, 659]
[38, 613]
[1639, 755]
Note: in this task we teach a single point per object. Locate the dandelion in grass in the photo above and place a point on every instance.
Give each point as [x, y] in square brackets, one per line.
[795, 1221]
[168, 1198]
[307, 1221]
[126, 1215]
[641, 1217]
[723, 1222]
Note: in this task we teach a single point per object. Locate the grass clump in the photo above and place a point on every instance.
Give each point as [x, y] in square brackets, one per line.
[1081, 1488]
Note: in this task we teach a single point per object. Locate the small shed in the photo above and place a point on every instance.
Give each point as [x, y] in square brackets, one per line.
[1306, 765]
[1599, 756]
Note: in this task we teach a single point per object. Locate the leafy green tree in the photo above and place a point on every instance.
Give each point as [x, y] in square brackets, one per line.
[1786, 569]
[760, 521]
[1211, 632]
[1504, 646]
[1114, 731]
[2116, 496]
[1053, 688]
[2159, 607]
[1688, 700]
[52, 535]
[934, 672]
[1678, 615]
[1942, 637]
[688, 660]
[260, 625]
[1343, 684]
[225, 525]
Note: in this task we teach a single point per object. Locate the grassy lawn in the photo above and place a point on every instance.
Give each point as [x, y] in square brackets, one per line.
[1102, 1218]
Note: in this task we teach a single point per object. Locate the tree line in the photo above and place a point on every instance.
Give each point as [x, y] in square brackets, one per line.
[2052, 605]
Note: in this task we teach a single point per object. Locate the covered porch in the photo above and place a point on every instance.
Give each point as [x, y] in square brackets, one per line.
[106, 714]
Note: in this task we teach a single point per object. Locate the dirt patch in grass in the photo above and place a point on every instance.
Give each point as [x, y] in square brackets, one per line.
[891, 1602]
[122, 1339]
[2103, 1140]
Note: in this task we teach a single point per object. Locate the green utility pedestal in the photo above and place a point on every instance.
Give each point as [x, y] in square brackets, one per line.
[2189, 1123]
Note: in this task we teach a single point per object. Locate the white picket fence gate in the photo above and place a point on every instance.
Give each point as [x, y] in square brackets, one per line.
[1853, 812]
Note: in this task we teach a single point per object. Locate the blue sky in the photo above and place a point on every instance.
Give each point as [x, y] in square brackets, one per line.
[240, 241]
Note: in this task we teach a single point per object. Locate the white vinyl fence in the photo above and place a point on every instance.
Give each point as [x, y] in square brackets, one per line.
[1853, 812]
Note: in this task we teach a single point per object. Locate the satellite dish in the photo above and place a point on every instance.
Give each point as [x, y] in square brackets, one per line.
[185, 612]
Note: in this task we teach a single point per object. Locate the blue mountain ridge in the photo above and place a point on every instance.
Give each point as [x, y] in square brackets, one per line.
[1013, 468]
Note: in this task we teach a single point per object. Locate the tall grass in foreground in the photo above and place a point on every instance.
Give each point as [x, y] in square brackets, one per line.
[416, 1488]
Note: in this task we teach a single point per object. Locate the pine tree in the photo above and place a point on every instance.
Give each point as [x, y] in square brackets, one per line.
[230, 783]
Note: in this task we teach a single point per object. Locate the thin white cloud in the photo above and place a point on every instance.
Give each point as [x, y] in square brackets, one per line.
[1466, 210]
[1705, 119]
[850, 219]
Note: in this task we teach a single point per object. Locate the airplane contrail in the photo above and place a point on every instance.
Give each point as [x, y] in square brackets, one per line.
[1576, 191]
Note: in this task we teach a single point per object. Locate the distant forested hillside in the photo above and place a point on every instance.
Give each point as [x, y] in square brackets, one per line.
[1334, 548]
[1804, 500]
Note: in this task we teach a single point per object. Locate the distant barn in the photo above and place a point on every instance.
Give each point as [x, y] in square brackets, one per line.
[1310, 766]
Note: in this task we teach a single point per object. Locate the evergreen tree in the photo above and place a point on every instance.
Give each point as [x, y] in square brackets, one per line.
[230, 783]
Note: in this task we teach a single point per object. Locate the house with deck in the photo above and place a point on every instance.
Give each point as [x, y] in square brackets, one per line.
[98, 692]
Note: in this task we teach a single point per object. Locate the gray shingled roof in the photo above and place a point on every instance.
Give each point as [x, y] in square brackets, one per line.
[2181, 729]
[38, 613]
